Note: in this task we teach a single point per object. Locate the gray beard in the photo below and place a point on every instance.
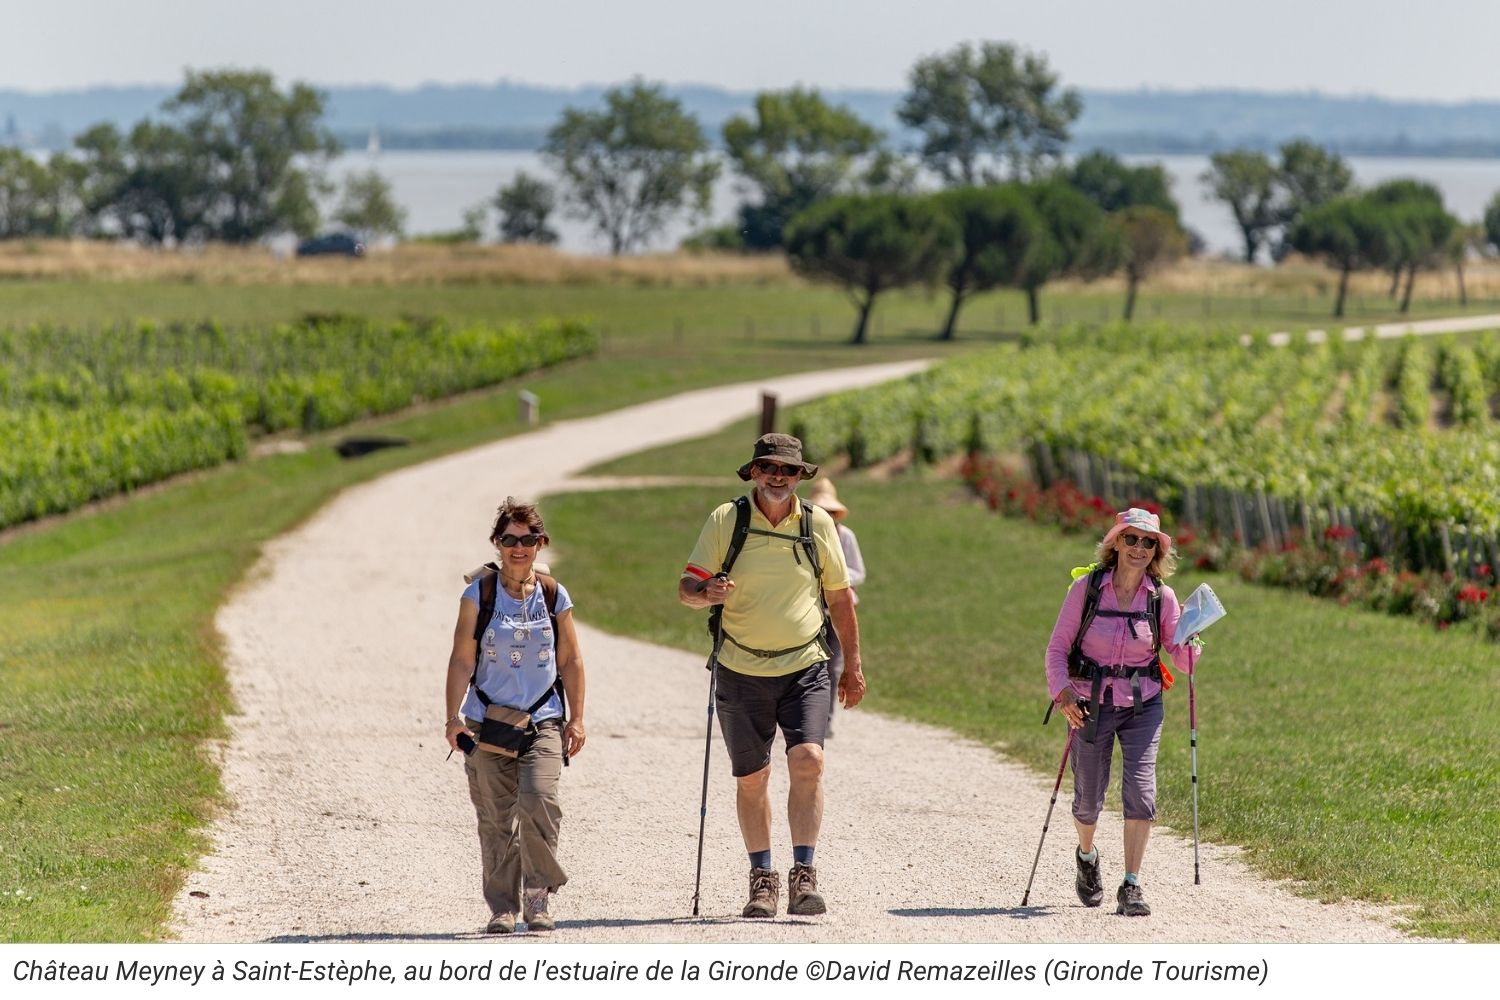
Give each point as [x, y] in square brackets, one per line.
[776, 497]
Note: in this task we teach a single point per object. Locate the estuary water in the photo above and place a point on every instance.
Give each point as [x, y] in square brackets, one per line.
[436, 187]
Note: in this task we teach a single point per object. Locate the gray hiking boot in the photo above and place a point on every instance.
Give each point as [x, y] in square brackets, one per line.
[535, 911]
[1131, 902]
[765, 893]
[802, 892]
[1090, 887]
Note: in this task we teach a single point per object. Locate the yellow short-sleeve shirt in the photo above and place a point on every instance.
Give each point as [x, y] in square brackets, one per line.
[775, 603]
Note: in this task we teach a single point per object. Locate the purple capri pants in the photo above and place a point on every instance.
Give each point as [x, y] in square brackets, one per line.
[1139, 736]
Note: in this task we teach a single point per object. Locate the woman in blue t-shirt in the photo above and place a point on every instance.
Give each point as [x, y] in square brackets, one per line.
[516, 664]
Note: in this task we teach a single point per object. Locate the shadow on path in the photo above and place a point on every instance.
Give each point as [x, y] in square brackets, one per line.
[1014, 912]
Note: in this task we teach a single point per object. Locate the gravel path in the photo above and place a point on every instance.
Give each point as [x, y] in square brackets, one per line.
[1386, 331]
[346, 823]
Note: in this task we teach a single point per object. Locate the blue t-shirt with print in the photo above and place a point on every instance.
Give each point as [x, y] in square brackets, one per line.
[517, 653]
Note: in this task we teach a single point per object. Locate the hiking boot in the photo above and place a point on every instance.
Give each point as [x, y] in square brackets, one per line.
[535, 911]
[1090, 887]
[1131, 902]
[765, 893]
[501, 923]
[802, 892]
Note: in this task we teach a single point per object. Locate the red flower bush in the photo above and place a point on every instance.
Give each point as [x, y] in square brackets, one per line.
[1472, 594]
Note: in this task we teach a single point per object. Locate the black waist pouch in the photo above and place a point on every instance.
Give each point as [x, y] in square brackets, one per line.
[506, 731]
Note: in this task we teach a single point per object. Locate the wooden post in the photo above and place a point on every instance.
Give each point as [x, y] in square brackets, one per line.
[767, 412]
[1447, 543]
[1283, 522]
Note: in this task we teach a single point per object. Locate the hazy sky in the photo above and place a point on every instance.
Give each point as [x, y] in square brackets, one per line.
[1438, 49]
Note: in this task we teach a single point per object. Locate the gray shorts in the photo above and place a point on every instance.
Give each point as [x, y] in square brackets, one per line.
[1139, 736]
[750, 709]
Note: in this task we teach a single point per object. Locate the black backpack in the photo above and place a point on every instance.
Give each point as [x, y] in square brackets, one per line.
[1152, 617]
[488, 576]
[805, 541]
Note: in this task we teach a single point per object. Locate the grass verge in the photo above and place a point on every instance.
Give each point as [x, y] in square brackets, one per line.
[1349, 750]
[745, 313]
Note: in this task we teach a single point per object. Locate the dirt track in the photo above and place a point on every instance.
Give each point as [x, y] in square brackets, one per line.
[346, 823]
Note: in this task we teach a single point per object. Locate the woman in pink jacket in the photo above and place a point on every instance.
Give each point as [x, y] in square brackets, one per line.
[1105, 676]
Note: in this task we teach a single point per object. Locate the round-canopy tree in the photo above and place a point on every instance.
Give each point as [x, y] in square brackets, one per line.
[869, 244]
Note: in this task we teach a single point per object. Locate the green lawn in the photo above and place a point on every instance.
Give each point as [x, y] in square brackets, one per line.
[780, 313]
[1353, 751]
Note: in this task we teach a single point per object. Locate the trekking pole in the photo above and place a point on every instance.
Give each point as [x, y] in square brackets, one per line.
[1193, 751]
[1067, 748]
[708, 743]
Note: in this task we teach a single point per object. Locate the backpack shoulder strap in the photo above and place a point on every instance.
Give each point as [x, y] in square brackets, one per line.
[488, 576]
[736, 543]
[808, 542]
[1090, 604]
[741, 530]
[1153, 610]
[549, 593]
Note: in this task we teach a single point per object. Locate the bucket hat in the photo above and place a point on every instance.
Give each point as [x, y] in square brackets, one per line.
[778, 448]
[1142, 522]
[824, 495]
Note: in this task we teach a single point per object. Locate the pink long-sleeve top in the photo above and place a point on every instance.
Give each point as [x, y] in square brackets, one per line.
[1109, 641]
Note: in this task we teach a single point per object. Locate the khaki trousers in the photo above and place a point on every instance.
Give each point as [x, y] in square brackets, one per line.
[516, 803]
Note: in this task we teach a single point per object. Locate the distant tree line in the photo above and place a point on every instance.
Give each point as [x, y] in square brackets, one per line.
[232, 157]
[824, 187]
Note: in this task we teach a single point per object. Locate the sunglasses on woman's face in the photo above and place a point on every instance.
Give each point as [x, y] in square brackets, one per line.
[525, 541]
[777, 469]
[1147, 542]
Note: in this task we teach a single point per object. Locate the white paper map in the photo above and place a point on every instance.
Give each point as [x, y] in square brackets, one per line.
[1199, 611]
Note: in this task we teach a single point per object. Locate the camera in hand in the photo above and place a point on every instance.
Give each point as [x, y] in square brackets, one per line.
[465, 742]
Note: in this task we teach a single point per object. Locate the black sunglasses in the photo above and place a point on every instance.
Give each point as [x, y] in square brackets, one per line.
[525, 541]
[1147, 542]
[777, 469]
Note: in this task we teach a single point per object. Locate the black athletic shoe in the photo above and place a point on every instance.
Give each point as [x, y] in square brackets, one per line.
[1090, 888]
[1130, 901]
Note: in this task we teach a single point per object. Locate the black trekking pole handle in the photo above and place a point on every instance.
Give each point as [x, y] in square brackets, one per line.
[702, 585]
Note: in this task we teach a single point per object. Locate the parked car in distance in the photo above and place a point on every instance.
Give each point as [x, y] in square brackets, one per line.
[331, 243]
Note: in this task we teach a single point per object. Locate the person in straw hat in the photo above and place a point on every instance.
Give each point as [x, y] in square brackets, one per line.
[1105, 675]
[825, 495]
[772, 670]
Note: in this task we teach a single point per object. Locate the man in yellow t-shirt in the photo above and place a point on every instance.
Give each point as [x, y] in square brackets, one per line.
[773, 662]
